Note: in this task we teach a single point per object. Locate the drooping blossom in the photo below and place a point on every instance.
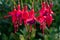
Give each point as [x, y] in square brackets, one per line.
[45, 15]
[25, 15]
[14, 19]
[19, 14]
[31, 20]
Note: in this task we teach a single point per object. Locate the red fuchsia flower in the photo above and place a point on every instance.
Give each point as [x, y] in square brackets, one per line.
[14, 14]
[45, 15]
[14, 20]
[42, 16]
[25, 15]
[47, 11]
[31, 20]
[19, 14]
[49, 18]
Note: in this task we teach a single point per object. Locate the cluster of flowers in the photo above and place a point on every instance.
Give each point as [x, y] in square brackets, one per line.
[28, 17]
[45, 17]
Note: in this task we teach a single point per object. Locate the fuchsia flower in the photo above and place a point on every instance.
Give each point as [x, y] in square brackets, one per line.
[45, 15]
[19, 14]
[14, 19]
[13, 14]
[31, 19]
[49, 18]
[25, 15]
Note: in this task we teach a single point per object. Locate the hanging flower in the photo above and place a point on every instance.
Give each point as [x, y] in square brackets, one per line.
[19, 14]
[31, 19]
[14, 19]
[25, 15]
[45, 17]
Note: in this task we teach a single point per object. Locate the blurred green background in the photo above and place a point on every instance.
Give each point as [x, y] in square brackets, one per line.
[6, 27]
